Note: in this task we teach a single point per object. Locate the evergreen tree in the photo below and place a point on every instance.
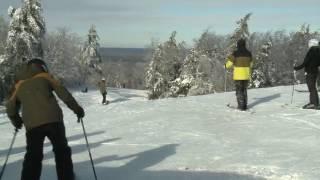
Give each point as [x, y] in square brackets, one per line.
[202, 68]
[264, 68]
[154, 81]
[91, 50]
[164, 68]
[26, 31]
[211, 63]
[195, 76]
[3, 36]
[241, 32]
[91, 58]
[24, 41]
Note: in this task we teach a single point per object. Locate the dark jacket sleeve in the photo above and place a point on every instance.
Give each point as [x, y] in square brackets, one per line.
[306, 60]
[13, 108]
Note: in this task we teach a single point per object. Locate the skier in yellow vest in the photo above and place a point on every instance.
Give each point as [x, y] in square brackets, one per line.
[241, 61]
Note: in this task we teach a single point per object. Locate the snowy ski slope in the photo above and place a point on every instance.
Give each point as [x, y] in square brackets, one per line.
[192, 138]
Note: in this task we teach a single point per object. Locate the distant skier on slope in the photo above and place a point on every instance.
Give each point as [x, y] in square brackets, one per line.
[241, 61]
[310, 65]
[42, 117]
[103, 90]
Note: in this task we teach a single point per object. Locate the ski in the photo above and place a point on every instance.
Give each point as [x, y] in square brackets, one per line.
[301, 90]
[298, 107]
[305, 90]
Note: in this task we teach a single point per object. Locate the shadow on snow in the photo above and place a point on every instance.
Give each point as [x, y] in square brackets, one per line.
[263, 100]
[21, 149]
[136, 169]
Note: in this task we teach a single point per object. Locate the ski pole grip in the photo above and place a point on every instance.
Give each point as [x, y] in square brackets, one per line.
[79, 119]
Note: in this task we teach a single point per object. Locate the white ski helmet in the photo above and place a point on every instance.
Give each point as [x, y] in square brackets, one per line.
[313, 42]
[103, 79]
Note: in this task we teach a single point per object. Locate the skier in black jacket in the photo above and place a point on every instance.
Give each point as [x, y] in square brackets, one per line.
[310, 65]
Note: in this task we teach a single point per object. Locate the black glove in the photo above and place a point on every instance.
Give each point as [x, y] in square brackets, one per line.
[16, 122]
[80, 112]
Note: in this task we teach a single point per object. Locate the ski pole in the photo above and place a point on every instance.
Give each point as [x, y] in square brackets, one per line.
[292, 93]
[294, 81]
[88, 147]
[9, 152]
[225, 79]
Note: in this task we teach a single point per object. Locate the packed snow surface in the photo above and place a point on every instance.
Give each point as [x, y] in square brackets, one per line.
[187, 138]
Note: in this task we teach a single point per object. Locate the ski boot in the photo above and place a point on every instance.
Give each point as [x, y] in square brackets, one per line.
[310, 106]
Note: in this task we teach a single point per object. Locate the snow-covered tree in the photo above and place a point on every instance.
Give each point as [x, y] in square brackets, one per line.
[90, 57]
[62, 54]
[91, 50]
[3, 35]
[154, 81]
[165, 67]
[26, 31]
[195, 76]
[202, 68]
[24, 40]
[264, 68]
[211, 62]
[241, 32]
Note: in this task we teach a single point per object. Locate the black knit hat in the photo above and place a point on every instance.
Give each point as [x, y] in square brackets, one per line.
[241, 43]
[40, 63]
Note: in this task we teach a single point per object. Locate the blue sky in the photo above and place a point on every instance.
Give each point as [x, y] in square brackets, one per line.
[133, 23]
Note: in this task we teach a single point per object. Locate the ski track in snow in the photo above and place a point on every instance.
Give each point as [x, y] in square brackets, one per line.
[185, 138]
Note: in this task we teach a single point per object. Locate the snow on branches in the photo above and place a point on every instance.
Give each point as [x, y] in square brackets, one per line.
[91, 50]
[264, 68]
[164, 68]
[241, 32]
[175, 72]
[26, 31]
[90, 57]
[195, 77]
[24, 41]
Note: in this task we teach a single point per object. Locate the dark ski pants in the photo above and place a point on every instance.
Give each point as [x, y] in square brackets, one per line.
[32, 164]
[241, 93]
[104, 97]
[311, 79]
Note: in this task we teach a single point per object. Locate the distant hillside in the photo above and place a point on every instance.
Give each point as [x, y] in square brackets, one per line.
[124, 54]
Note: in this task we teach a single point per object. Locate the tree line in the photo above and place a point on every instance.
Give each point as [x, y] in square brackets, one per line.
[172, 69]
[175, 70]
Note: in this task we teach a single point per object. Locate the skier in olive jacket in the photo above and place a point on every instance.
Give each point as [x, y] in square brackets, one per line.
[310, 65]
[103, 90]
[42, 117]
[241, 61]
